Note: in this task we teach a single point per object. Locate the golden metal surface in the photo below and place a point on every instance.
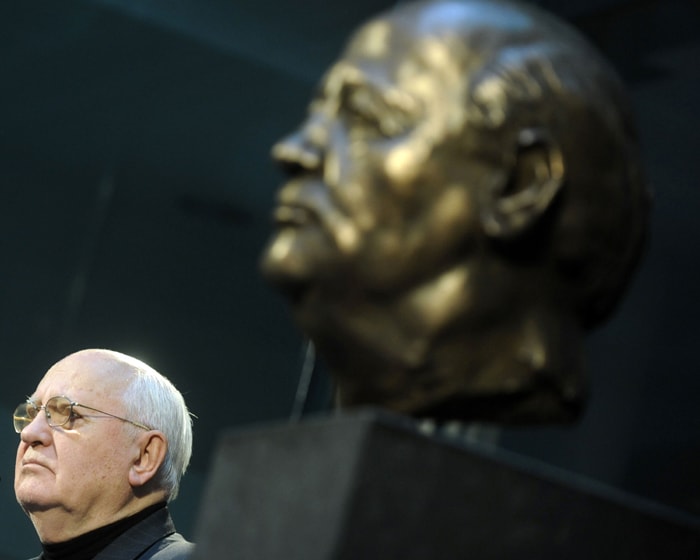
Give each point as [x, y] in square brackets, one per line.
[464, 202]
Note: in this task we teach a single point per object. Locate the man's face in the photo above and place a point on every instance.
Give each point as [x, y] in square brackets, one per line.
[80, 468]
[381, 191]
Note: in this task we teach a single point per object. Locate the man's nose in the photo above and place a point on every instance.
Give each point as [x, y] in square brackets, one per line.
[37, 431]
[304, 149]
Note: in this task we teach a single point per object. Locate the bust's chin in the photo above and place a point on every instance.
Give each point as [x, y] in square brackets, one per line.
[287, 275]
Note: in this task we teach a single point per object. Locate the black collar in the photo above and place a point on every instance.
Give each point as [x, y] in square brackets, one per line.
[88, 545]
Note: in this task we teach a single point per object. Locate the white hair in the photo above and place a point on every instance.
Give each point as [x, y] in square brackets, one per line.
[153, 400]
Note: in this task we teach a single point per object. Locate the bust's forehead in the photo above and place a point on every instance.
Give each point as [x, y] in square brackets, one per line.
[436, 34]
[466, 15]
[416, 21]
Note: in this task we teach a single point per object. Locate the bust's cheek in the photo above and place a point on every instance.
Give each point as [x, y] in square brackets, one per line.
[404, 163]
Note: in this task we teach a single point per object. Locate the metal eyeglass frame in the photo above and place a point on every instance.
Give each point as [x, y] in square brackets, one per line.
[21, 414]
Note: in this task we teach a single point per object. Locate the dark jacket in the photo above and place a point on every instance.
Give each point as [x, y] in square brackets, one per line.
[153, 538]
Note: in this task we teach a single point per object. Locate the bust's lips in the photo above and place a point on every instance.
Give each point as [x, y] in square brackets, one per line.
[293, 215]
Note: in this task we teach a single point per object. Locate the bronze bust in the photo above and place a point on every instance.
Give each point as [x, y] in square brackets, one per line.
[465, 200]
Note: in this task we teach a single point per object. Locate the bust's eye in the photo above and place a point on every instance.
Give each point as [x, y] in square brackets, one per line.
[361, 111]
[367, 111]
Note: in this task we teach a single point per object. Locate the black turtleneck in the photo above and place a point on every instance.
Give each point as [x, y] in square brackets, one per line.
[87, 546]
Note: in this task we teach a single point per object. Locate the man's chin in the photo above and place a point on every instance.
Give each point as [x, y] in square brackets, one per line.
[33, 501]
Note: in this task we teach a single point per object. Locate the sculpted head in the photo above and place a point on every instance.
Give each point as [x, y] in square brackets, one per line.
[464, 202]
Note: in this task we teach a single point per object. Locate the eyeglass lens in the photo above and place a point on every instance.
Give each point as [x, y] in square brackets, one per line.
[57, 409]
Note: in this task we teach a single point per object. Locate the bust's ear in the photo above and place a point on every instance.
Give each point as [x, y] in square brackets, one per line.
[534, 182]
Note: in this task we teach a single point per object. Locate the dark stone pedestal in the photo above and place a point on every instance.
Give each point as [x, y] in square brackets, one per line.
[368, 485]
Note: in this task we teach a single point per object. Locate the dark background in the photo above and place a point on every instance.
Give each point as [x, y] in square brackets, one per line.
[136, 191]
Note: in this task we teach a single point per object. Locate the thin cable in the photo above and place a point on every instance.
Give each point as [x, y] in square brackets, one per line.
[307, 372]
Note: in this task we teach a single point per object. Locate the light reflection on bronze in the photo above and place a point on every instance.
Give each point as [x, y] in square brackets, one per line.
[464, 203]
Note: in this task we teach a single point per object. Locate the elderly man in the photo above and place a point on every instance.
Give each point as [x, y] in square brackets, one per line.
[104, 441]
[465, 202]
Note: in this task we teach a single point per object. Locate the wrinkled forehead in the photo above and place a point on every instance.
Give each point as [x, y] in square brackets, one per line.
[387, 44]
[474, 24]
[398, 62]
[441, 41]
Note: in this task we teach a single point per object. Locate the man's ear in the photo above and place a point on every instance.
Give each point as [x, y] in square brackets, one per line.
[535, 180]
[152, 449]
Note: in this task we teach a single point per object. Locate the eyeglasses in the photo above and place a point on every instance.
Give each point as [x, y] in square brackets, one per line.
[58, 411]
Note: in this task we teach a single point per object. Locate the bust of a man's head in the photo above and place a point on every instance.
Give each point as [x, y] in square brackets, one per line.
[464, 202]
